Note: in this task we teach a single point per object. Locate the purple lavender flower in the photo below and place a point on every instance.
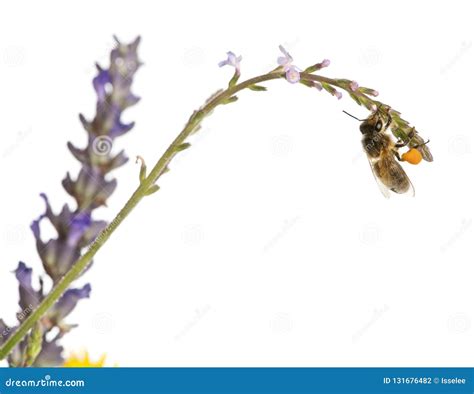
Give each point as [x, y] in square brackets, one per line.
[292, 73]
[286, 59]
[76, 228]
[233, 61]
[354, 86]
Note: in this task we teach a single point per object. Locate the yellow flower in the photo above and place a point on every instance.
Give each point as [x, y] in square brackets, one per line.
[83, 361]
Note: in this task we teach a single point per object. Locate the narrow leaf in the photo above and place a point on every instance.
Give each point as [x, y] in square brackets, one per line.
[34, 344]
[182, 147]
[152, 189]
[142, 174]
[257, 88]
[231, 99]
[234, 79]
[355, 98]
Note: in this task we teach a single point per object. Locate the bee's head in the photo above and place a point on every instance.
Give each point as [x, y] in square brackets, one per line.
[372, 125]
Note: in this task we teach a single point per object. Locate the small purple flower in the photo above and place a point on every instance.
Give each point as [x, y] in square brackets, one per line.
[50, 355]
[338, 94]
[232, 60]
[102, 84]
[325, 63]
[292, 73]
[29, 297]
[354, 86]
[285, 60]
[68, 302]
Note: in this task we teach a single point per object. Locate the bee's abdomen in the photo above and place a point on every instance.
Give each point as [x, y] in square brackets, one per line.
[391, 173]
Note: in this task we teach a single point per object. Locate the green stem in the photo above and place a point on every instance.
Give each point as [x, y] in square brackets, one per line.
[160, 167]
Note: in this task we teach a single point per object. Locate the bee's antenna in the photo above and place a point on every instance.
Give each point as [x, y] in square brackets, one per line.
[352, 116]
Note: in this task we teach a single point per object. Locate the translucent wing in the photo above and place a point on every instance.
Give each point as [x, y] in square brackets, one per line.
[384, 189]
[390, 176]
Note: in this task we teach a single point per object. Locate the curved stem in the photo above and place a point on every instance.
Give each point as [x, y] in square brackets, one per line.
[141, 191]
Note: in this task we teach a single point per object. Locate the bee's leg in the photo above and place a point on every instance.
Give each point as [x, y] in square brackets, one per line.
[397, 155]
[418, 145]
[410, 137]
[389, 120]
[401, 144]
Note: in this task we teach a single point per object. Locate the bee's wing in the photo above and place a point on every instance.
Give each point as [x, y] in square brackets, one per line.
[384, 189]
[394, 167]
[411, 190]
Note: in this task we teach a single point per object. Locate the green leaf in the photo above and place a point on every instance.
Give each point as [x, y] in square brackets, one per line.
[313, 68]
[369, 91]
[182, 147]
[195, 129]
[304, 82]
[355, 98]
[328, 88]
[234, 79]
[257, 88]
[142, 174]
[152, 189]
[34, 344]
[231, 99]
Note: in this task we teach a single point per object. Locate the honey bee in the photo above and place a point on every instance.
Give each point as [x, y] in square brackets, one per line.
[384, 156]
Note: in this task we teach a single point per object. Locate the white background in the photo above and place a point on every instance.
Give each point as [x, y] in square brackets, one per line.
[269, 243]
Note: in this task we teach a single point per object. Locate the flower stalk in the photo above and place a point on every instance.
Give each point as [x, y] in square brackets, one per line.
[147, 184]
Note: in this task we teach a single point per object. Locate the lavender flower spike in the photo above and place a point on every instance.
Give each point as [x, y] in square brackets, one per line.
[76, 227]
